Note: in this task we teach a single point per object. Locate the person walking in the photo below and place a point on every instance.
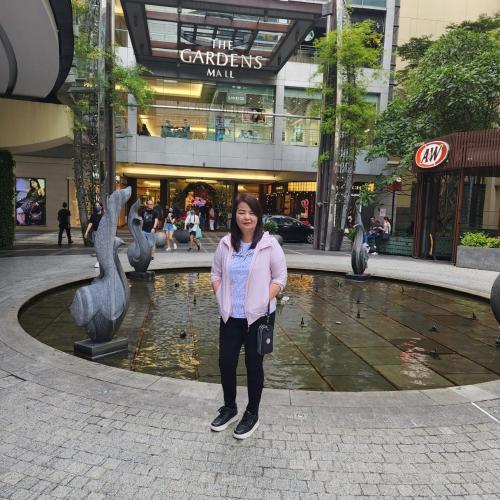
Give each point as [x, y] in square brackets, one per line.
[64, 219]
[248, 272]
[149, 225]
[169, 229]
[93, 225]
[192, 224]
[211, 218]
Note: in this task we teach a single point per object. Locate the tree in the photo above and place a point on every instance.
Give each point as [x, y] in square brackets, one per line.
[352, 50]
[102, 87]
[454, 86]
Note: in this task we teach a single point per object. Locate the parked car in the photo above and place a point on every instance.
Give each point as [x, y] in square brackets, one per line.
[292, 229]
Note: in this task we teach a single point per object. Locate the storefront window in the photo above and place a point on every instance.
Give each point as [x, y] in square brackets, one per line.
[368, 3]
[201, 194]
[243, 115]
[301, 129]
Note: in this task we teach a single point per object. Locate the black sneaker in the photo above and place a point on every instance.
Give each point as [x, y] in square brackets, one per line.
[247, 425]
[226, 417]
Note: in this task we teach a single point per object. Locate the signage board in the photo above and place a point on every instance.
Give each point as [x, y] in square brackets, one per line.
[221, 59]
[431, 154]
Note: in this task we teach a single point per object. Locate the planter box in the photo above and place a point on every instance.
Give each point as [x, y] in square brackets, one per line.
[487, 259]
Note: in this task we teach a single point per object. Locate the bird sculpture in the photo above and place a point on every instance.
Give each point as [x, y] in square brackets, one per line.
[101, 306]
[359, 255]
[139, 253]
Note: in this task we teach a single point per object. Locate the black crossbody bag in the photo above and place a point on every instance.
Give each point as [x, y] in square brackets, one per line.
[265, 335]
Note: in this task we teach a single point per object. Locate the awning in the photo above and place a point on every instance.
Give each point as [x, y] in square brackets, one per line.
[182, 38]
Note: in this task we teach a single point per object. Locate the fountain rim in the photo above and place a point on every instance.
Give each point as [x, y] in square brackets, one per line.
[53, 358]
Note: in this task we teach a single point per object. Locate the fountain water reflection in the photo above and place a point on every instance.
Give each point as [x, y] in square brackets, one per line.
[354, 337]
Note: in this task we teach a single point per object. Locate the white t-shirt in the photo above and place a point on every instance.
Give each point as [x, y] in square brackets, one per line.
[192, 219]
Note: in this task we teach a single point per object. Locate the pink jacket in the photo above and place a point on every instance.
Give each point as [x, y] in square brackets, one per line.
[268, 266]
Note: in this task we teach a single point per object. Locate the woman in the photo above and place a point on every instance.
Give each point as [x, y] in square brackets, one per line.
[93, 225]
[211, 218]
[169, 229]
[248, 271]
[192, 224]
[387, 230]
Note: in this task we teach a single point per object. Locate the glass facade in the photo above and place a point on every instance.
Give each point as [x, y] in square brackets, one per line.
[300, 130]
[368, 3]
[215, 111]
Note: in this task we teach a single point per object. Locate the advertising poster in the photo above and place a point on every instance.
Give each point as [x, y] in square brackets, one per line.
[30, 201]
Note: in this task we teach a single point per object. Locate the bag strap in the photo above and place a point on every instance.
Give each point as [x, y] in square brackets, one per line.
[268, 312]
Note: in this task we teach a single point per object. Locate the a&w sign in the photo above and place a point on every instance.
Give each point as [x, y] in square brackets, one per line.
[432, 154]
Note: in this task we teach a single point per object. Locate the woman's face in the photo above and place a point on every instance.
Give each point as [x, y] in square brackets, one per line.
[246, 218]
[33, 183]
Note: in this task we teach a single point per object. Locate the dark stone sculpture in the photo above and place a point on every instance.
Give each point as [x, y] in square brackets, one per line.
[101, 306]
[495, 299]
[139, 253]
[359, 255]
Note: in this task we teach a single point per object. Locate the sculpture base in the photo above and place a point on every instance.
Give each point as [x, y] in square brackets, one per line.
[357, 277]
[91, 350]
[138, 276]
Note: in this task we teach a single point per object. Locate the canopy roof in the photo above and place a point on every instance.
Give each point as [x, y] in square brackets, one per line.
[168, 33]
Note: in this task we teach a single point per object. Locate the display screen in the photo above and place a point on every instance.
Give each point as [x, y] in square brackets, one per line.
[30, 201]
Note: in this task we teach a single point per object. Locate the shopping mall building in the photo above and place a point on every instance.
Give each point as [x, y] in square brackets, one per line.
[233, 109]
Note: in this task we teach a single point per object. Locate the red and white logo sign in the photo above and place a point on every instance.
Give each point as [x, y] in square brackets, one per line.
[432, 154]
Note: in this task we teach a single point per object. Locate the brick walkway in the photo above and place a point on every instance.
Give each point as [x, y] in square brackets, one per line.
[72, 429]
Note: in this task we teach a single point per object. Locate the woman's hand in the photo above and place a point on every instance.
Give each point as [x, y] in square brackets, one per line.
[274, 289]
[215, 286]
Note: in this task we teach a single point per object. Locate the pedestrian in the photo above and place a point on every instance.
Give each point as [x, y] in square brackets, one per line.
[373, 234]
[387, 231]
[64, 219]
[203, 216]
[169, 229]
[93, 225]
[248, 272]
[192, 224]
[149, 225]
[211, 218]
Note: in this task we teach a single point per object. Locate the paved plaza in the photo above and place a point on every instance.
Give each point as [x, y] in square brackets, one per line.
[74, 429]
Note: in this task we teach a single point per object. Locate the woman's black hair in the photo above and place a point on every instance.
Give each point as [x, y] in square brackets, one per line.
[37, 183]
[254, 205]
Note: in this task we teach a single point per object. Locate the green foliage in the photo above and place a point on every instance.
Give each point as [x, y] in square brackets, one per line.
[483, 24]
[454, 86]
[479, 239]
[179, 225]
[350, 233]
[271, 227]
[7, 221]
[120, 80]
[359, 48]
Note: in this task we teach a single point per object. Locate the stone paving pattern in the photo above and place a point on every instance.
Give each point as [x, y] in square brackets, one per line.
[71, 429]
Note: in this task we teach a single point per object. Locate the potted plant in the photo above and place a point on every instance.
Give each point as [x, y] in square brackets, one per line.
[478, 250]
[272, 228]
[180, 234]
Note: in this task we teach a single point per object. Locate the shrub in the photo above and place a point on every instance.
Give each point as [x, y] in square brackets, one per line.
[7, 221]
[479, 239]
[350, 233]
[271, 227]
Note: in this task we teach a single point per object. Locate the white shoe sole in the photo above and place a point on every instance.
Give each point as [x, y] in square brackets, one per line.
[225, 426]
[247, 434]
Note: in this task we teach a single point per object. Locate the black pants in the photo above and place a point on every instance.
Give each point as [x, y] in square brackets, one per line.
[232, 336]
[68, 234]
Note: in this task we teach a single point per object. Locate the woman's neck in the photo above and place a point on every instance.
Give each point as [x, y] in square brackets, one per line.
[247, 237]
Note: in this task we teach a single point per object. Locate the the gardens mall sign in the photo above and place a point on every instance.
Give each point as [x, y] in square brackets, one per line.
[221, 64]
[432, 154]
